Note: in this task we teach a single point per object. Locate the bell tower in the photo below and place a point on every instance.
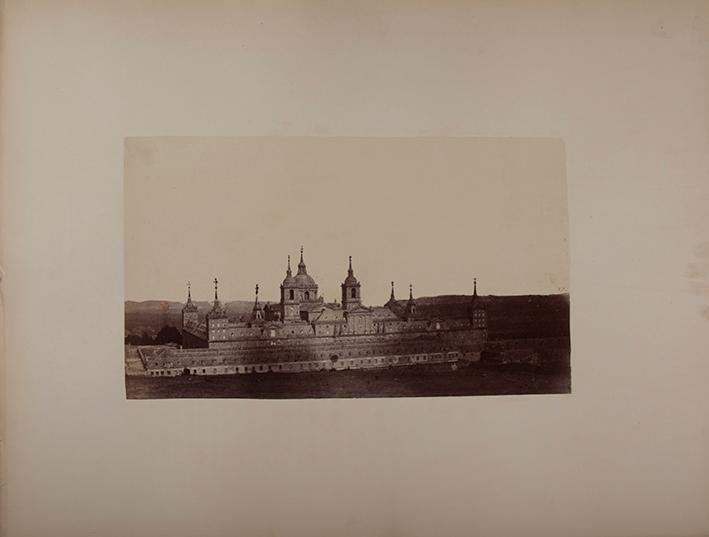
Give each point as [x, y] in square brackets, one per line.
[290, 301]
[351, 297]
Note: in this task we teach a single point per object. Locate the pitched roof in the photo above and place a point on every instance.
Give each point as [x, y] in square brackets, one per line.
[381, 312]
[360, 309]
[311, 306]
[329, 315]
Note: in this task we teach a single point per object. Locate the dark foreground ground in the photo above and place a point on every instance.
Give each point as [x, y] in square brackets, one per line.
[413, 381]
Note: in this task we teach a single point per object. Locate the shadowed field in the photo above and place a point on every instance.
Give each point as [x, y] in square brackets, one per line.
[413, 381]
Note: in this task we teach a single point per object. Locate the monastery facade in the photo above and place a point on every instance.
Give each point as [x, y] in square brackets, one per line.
[303, 332]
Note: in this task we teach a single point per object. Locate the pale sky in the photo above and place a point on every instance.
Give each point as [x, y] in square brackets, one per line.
[433, 212]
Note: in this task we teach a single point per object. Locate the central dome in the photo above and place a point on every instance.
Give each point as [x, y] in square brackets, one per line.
[304, 280]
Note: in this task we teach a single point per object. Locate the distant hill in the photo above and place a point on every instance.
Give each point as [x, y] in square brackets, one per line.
[158, 306]
[509, 317]
[150, 316]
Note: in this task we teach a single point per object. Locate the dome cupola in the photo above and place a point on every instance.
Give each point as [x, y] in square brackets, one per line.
[303, 280]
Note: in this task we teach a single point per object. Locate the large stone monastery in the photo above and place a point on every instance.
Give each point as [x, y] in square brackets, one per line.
[304, 333]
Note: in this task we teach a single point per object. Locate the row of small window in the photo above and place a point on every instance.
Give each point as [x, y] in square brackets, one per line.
[221, 333]
[305, 366]
[204, 371]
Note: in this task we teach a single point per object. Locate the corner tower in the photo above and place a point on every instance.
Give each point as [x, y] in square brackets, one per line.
[216, 318]
[190, 315]
[478, 313]
[411, 304]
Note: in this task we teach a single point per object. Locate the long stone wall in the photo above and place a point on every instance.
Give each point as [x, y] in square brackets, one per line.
[313, 350]
[361, 346]
[460, 333]
[373, 362]
[224, 333]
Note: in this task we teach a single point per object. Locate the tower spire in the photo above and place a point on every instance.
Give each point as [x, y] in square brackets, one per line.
[190, 306]
[301, 265]
[257, 312]
[217, 312]
[475, 287]
[288, 271]
[411, 292]
[349, 270]
[392, 301]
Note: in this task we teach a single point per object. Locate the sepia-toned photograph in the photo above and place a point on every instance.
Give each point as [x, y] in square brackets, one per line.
[307, 267]
[358, 269]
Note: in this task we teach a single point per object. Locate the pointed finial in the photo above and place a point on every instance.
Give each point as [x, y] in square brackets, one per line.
[189, 291]
[289, 262]
[392, 291]
[256, 290]
[301, 265]
[216, 285]
[475, 287]
[411, 292]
